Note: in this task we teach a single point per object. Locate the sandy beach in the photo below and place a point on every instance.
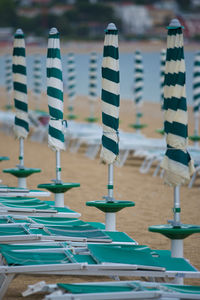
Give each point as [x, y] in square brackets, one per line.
[153, 200]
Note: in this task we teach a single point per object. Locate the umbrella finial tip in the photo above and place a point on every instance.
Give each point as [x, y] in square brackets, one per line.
[53, 30]
[111, 26]
[175, 23]
[19, 31]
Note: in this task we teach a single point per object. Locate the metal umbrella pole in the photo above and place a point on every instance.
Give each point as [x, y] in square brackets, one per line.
[110, 217]
[55, 102]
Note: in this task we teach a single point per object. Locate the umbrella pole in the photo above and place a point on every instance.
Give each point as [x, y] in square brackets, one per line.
[110, 217]
[92, 110]
[59, 197]
[137, 120]
[177, 244]
[196, 129]
[21, 180]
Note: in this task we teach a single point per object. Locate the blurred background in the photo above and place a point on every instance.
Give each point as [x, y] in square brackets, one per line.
[87, 19]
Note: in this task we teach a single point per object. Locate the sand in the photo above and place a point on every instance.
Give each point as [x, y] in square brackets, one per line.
[153, 200]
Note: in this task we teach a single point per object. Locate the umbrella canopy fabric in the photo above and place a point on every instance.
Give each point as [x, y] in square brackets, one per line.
[71, 80]
[21, 127]
[177, 161]
[110, 96]
[37, 76]
[138, 79]
[196, 84]
[93, 77]
[55, 92]
[162, 75]
[8, 75]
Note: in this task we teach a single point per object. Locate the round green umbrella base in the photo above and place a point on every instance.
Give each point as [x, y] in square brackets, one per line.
[8, 107]
[110, 207]
[4, 158]
[194, 138]
[72, 117]
[91, 119]
[175, 232]
[22, 173]
[161, 131]
[58, 187]
[138, 126]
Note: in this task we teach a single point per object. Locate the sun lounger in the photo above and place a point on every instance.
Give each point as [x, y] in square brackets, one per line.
[18, 230]
[95, 260]
[34, 207]
[6, 191]
[114, 290]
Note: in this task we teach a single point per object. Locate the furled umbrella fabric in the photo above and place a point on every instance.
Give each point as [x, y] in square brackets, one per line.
[93, 77]
[71, 81]
[37, 77]
[177, 161]
[110, 96]
[55, 92]
[21, 127]
[138, 79]
[196, 90]
[162, 75]
[8, 78]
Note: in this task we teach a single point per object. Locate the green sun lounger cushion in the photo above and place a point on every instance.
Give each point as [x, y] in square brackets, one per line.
[139, 255]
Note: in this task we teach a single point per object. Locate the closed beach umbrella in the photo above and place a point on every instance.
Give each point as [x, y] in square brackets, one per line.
[37, 78]
[8, 79]
[55, 97]
[196, 92]
[71, 83]
[110, 96]
[92, 83]
[162, 75]
[177, 161]
[21, 127]
[138, 85]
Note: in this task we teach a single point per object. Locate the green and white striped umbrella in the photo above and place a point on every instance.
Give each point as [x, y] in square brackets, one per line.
[162, 75]
[196, 87]
[37, 77]
[93, 77]
[92, 83]
[55, 92]
[138, 79]
[8, 77]
[110, 95]
[177, 161]
[21, 127]
[71, 81]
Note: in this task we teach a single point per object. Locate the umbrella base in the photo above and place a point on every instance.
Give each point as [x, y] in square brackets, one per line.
[4, 158]
[161, 131]
[138, 126]
[91, 119]
[22, 173]
[175, 232]
[110, 207]
[72, 117]
[194, 138]
[58, 188]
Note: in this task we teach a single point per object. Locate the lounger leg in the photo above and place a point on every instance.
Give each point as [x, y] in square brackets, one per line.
[5, 280]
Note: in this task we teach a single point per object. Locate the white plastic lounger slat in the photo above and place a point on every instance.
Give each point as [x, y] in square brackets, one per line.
[108, 296]
[10, 239]
[15, 214]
